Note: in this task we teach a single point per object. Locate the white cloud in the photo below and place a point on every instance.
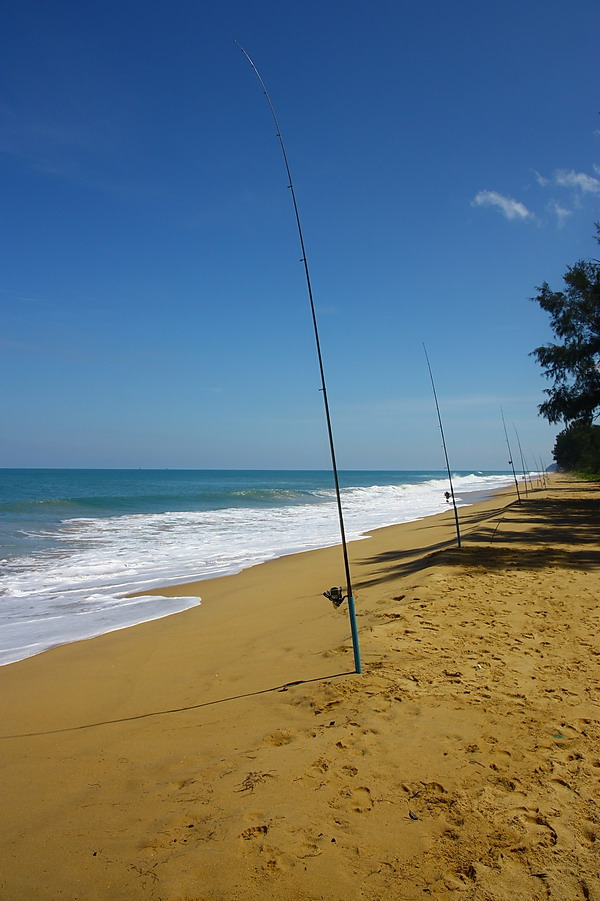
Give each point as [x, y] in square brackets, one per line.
[578, 184]
[560, 212]
[587, 184]
[510, 208]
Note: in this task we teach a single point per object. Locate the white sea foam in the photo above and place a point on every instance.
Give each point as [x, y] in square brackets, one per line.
[75, 589]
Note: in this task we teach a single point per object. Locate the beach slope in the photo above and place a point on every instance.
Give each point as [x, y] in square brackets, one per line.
[230, 752]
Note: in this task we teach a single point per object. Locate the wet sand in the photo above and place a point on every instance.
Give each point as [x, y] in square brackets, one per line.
[230, 751]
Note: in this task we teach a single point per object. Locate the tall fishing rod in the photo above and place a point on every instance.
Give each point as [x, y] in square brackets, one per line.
[510, 460]
[437, 406]
[335, 595]
[522, 461]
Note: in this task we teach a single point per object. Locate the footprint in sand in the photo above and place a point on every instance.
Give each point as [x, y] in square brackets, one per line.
[356, 800]
[181, 830]
[535, 826]
[590, 832]
[461, 878]
[280, 737]
[254, 832]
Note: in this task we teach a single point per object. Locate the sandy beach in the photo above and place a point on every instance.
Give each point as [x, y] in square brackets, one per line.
[230, 752]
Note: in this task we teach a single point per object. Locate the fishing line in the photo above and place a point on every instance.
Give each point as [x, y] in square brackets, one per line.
[335, 594]
[437, 406]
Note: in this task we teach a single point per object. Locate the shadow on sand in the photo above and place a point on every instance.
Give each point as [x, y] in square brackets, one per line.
[535, 534]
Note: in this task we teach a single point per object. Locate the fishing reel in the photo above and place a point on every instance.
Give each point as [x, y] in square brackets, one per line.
[335, 595]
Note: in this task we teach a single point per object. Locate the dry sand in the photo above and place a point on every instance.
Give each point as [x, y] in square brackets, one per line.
[230, 753]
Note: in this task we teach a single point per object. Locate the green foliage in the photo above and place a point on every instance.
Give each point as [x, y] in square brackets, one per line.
[574, 364]
[577, 448]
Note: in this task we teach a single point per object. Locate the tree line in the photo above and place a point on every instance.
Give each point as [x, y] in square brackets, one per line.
[573, 365]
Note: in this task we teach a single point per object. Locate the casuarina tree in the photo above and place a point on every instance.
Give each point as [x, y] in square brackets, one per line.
[573, 364]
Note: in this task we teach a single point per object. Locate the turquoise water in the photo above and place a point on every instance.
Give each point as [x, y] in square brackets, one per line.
[73, 542]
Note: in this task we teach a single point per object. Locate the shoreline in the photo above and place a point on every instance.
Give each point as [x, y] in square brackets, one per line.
[151, 602]
[230, 751]
[488, 498]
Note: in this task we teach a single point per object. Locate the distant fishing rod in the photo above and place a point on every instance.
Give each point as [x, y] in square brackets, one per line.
[543, 479]
[437, 406]
[522, 461]
[510, 456]
[335, 595]
[538, 463]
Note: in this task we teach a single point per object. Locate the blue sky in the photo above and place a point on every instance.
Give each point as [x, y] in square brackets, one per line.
[446, 162]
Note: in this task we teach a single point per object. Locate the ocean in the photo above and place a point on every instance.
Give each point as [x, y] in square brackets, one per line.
[74, 542]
